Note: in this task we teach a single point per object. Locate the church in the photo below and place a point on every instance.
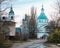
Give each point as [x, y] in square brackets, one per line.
[8, 24]
[24, 28]
[42, 21]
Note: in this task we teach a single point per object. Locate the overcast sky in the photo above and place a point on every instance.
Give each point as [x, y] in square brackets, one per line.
[22, 7]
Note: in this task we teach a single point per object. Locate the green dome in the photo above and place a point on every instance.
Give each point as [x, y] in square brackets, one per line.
[42, 16]
[11, 12]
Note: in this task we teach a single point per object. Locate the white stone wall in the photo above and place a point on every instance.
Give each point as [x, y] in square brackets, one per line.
[12, 31]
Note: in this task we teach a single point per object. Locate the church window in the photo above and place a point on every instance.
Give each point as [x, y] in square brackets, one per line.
[3, 17]
[11, 17]
[40, 21]
[44, 21]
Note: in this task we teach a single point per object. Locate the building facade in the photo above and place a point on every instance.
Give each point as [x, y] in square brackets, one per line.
[42, 21]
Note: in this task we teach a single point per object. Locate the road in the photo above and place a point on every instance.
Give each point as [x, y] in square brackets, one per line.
[31, 44]
[37, 45]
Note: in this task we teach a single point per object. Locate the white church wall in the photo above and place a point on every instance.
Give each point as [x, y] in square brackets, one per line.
[12, 31]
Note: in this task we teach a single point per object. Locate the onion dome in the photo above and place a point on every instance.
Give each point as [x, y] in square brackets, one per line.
[42, 15]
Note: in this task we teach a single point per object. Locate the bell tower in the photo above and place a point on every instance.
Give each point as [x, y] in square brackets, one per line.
[11, 13]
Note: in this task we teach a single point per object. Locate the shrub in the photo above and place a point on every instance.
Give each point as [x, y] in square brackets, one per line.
[54, 36]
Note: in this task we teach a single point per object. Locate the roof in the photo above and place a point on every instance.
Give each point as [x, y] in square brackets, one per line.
[17, 30]
[42, 16]
[11, 11]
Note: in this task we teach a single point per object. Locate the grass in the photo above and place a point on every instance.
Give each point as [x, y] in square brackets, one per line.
[9, 43]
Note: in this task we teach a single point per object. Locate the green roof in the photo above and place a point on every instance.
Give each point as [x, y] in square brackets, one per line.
[25, 19]
[11, 11]
[17, 29]
[42, 16]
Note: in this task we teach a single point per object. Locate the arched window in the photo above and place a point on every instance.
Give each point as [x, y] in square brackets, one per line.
[12, 17]
[3, 17]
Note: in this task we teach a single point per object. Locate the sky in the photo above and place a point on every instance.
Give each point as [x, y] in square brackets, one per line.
[22, 7]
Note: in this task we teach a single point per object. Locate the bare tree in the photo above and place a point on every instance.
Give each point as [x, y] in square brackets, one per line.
[32, 23]
[6, 4]
[56, 14]
[3, 2]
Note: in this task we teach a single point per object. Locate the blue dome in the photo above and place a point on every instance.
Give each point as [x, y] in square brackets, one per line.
[42, 16]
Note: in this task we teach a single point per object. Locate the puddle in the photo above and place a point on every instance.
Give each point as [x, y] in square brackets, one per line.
[37, 46]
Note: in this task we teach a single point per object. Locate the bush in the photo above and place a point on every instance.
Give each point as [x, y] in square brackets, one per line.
[54, 36]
